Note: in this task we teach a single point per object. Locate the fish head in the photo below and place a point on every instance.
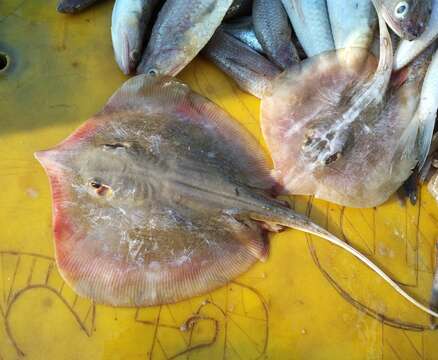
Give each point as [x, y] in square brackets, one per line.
[407, 18]
[161, 63]
[127, 43]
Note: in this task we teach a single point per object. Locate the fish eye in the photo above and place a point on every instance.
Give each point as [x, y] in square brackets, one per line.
[401, 10]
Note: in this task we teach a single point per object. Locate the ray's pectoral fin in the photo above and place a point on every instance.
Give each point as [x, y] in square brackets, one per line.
[147, 94]
[120, 238]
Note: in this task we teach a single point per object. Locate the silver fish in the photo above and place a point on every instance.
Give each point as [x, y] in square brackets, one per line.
[129, 22]
[161, 197]
[179, 33]
[272, 28]
[238, 8]
[409, 50]
[252, 72]
[407, 18]
[311, 23]
[352, 22]
[243, 30]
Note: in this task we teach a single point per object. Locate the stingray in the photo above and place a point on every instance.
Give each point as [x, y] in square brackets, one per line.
[161, 196]
[338, 129]
[336, 125]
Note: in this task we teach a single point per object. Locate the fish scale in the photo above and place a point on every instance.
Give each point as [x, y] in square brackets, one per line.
[311, 23]
[179, 33]
[272, 28]
[352, 23]
[243, 30]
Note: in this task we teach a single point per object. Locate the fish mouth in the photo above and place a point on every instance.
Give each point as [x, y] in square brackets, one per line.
[126, 63]
[152, 66]
[122, 51]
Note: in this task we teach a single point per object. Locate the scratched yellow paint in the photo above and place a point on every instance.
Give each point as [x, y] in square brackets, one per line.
[61, 72]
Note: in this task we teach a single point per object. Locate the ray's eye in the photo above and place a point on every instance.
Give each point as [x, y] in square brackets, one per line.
[401, 10]
[100, 189]
[95, 184]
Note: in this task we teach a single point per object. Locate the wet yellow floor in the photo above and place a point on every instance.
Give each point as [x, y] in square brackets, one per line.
[309, 300]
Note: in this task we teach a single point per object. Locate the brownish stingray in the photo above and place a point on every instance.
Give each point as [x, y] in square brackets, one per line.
[337, 130]
[162, 196]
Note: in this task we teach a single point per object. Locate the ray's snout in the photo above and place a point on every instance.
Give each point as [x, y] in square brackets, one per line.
[48, 158]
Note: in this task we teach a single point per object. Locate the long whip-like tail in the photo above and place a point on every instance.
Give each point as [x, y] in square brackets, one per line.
[289, 218]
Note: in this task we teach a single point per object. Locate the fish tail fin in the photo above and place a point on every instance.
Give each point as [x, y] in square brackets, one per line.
[249, 69]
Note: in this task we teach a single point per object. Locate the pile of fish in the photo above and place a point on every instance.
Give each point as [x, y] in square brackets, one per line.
[360, 136]
[161, 196]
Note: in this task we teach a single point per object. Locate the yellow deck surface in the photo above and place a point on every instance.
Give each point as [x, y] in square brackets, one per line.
[61, 72]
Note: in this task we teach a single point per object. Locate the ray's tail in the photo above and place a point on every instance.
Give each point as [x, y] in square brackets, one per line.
[290, 219]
